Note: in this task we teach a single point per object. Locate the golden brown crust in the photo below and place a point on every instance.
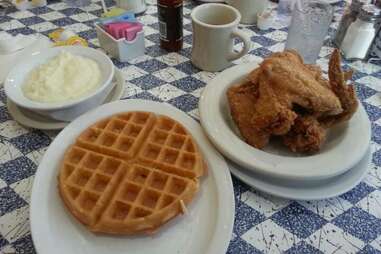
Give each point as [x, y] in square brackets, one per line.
[285, 97]
[346, 93]
[305, 136]
[113, 183]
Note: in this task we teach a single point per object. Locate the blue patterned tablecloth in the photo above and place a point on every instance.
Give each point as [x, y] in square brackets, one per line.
[350, 223]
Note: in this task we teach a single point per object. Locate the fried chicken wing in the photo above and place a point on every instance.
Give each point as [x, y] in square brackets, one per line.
[242, 100]
[295, 83]
[287, 98]
[258, 113]
[306, 135]
[346, 93]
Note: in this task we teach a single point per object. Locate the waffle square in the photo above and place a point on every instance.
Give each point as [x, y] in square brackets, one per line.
[130, 173]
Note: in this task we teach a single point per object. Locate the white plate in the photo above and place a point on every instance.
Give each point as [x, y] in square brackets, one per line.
[343, 149]
[316, 191]
[31, 119]
[205, 229]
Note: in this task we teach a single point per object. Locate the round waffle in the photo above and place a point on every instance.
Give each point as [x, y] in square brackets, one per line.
[130, 173]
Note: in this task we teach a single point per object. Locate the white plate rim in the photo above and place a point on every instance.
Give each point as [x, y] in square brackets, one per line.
[260, 161]
[115, 94]
[225, 219]
[351, 178]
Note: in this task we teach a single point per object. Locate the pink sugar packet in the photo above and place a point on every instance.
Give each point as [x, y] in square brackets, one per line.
[127, 30]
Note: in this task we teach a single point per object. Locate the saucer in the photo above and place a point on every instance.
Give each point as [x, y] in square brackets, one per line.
[31, 119]
[275, 160]
[308, 191]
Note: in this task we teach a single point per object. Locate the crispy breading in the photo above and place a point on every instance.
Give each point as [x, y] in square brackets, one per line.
[346, 93]
[306, 135]
[241, 99]
[296, 84]
[285, 97]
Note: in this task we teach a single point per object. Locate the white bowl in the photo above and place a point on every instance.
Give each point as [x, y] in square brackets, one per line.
[68, 110]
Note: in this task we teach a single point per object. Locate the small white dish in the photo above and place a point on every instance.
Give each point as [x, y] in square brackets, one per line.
[309, 191]
[265, 20]
[64, 111]
[333, 1]
[8, 60]
[210, 1]
[342, 151]
[10, 44]
[30, 119]
[205, 229]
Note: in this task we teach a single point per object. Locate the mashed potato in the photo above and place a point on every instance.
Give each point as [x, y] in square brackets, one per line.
[62, 78]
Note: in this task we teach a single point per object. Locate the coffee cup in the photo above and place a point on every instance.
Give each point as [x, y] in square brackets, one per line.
[249, 9]
[214, 28]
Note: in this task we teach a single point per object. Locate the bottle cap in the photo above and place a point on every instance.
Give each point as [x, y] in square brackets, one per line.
[357, 4]
[378, 3]
[370, 12]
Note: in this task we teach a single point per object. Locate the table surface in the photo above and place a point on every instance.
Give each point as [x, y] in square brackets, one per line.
[350, 223]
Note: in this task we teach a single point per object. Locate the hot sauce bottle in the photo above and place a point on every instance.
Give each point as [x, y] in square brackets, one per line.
[171, 24]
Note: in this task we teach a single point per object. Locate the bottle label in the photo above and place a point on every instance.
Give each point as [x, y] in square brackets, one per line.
[170, 22]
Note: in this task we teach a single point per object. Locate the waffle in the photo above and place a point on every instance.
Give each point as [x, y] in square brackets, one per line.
[130, 173]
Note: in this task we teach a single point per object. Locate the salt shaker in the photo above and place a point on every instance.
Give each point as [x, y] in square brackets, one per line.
[350, 15]
[361, 33]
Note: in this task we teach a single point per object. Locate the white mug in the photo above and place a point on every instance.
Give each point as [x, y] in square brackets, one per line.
[214, 28]
[249, 9]
[136, 6]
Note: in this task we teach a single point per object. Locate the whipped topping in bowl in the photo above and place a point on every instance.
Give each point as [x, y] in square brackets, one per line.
[62, 78]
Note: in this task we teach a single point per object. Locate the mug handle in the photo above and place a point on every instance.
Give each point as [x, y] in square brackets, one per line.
[246, 45]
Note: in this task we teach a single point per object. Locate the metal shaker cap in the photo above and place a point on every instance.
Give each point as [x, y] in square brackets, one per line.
[370, 12]
[378, 3]
[357, 4]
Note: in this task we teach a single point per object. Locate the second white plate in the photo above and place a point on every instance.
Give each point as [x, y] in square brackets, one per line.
[206, 229]
[346, 143]
[305, 191]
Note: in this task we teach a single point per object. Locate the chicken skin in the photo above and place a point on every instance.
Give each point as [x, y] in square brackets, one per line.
[308, 133]
[285, 97]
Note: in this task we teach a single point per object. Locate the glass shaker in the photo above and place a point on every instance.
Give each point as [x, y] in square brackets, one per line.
[309, 26]
[360, 34]
[348, 18]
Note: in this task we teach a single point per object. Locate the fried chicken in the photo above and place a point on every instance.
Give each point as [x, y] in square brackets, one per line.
[270, 102]
[294, 83]
[258, 117]
[240, 99]
[306, 135]
[346, 93]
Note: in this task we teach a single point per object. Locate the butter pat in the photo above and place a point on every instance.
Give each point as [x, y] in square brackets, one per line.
[64, 77]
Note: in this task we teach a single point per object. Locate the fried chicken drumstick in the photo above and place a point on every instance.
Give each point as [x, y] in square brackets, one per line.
[285, 97]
